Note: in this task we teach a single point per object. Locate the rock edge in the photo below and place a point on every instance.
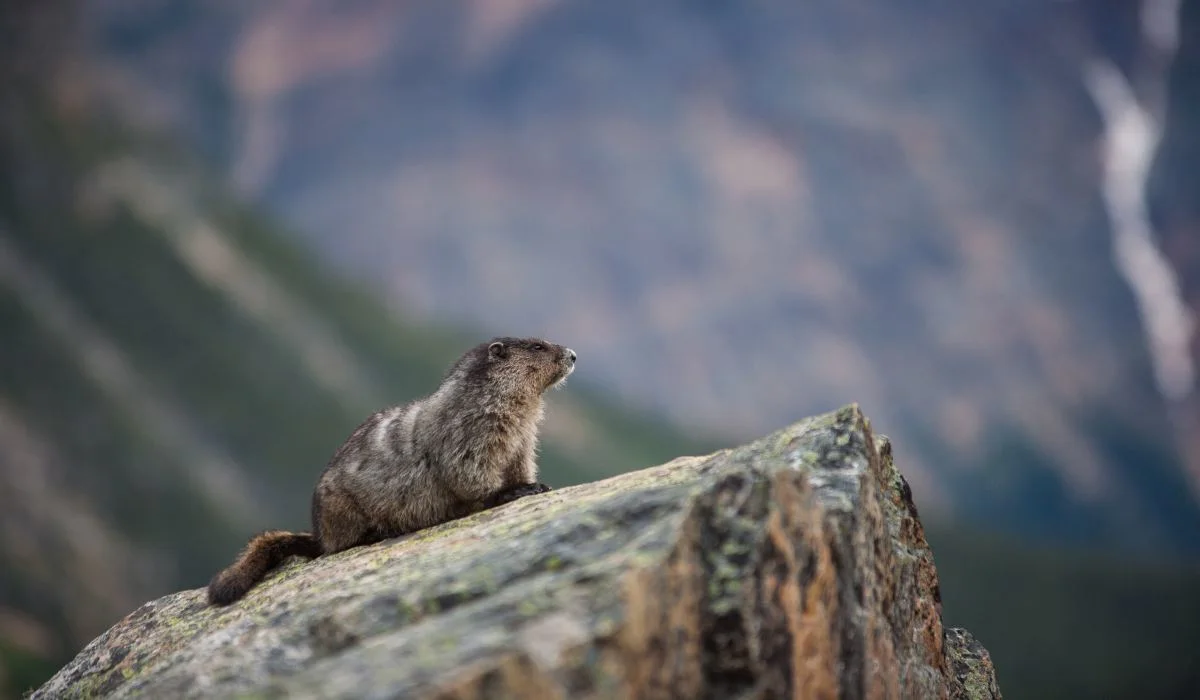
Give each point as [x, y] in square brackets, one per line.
[791, 567]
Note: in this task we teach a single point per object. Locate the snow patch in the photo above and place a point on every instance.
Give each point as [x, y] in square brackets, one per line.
[1130, 141]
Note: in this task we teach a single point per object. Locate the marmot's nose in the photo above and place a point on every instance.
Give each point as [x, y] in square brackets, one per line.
[571, 356]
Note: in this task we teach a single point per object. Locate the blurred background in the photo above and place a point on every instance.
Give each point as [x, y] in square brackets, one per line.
[230, 230]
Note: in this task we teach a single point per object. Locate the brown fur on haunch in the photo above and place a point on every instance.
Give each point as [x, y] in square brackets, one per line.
[468, 446]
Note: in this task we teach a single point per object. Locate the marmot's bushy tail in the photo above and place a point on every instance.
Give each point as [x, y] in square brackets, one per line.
[263, 553]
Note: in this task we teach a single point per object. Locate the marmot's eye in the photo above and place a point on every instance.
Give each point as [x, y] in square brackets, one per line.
[539, 347]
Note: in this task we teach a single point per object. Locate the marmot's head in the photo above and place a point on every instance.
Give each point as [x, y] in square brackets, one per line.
[529, 363]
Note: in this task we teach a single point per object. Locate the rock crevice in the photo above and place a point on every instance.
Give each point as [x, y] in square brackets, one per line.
[791, 567]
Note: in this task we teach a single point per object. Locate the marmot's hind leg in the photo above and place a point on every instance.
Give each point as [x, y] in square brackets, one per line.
[343, 524]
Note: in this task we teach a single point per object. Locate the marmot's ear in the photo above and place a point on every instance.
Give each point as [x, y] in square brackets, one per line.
[498, 350]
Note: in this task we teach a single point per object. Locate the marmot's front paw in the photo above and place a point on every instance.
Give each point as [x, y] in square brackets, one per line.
[526, 490]
[512, 494]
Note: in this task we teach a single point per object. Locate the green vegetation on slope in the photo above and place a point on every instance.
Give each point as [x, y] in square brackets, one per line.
[1062, 623]
[22, 670]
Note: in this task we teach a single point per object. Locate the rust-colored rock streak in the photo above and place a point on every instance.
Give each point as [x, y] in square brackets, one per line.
[794, 567]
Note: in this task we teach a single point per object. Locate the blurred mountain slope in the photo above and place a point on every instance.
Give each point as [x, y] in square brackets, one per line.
[155, 409]
[174, 373]
[1073, 624]
[1173, 192]
[743, 212]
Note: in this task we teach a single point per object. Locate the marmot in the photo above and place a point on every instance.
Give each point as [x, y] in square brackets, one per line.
[468, 446]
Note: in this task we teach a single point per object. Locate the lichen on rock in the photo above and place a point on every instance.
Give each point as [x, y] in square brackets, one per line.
[791, 567]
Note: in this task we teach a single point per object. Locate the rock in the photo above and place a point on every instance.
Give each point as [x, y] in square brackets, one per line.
[792, 567]
[970, 665]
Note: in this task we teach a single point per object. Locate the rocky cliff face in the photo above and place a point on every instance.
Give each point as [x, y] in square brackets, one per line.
[794, 566]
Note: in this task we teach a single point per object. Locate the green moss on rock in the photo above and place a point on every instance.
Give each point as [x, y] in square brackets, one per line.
[793, 564]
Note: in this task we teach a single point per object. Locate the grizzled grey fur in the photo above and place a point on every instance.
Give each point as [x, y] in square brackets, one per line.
[469, 445]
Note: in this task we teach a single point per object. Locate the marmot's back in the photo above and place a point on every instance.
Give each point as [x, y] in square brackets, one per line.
[469, 445]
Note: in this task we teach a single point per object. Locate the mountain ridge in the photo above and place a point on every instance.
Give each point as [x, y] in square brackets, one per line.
[899, 203]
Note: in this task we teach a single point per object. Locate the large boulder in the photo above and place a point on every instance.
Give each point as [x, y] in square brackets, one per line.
[792, 567]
